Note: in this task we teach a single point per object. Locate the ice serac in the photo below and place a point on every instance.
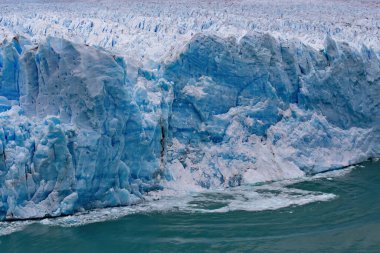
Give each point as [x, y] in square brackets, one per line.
[81, 128]
[77, 140]
[259, 108]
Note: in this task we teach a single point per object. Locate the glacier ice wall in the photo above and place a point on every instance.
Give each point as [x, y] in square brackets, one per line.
[261, 109]
[77, 138]
[81, 128]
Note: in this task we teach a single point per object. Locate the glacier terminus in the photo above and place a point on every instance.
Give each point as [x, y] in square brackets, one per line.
[91, 119]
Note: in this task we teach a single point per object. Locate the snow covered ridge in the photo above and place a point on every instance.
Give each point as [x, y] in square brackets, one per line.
[81, 128]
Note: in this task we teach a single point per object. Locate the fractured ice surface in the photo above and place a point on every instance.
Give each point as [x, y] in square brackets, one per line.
[145, 30]
[84, 128]
[77, 139]
[261, 109]
[78, 131]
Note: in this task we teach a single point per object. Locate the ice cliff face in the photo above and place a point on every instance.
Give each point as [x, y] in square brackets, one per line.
[261, 109]
[77, 139]
[81, 128]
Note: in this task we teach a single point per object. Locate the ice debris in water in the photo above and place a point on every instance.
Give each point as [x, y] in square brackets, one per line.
[269, 196]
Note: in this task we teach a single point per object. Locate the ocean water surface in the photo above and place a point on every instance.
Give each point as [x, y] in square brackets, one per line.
[332, 212]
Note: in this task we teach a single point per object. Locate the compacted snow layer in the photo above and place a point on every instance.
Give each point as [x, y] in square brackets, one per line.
[183, 97]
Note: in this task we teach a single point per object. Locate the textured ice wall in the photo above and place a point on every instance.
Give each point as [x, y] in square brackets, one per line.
[82, 128]
[77, 139]
[261, 109]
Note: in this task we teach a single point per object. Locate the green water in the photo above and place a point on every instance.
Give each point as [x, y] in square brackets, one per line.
[348, 223]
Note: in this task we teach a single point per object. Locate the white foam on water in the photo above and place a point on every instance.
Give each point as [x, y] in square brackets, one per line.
[269, 196]
[7, 228]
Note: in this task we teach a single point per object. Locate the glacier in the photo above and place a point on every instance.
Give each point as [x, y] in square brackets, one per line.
[79, 132]
[98, 110]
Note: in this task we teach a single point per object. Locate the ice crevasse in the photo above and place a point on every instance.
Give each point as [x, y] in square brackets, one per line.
[81, 128]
